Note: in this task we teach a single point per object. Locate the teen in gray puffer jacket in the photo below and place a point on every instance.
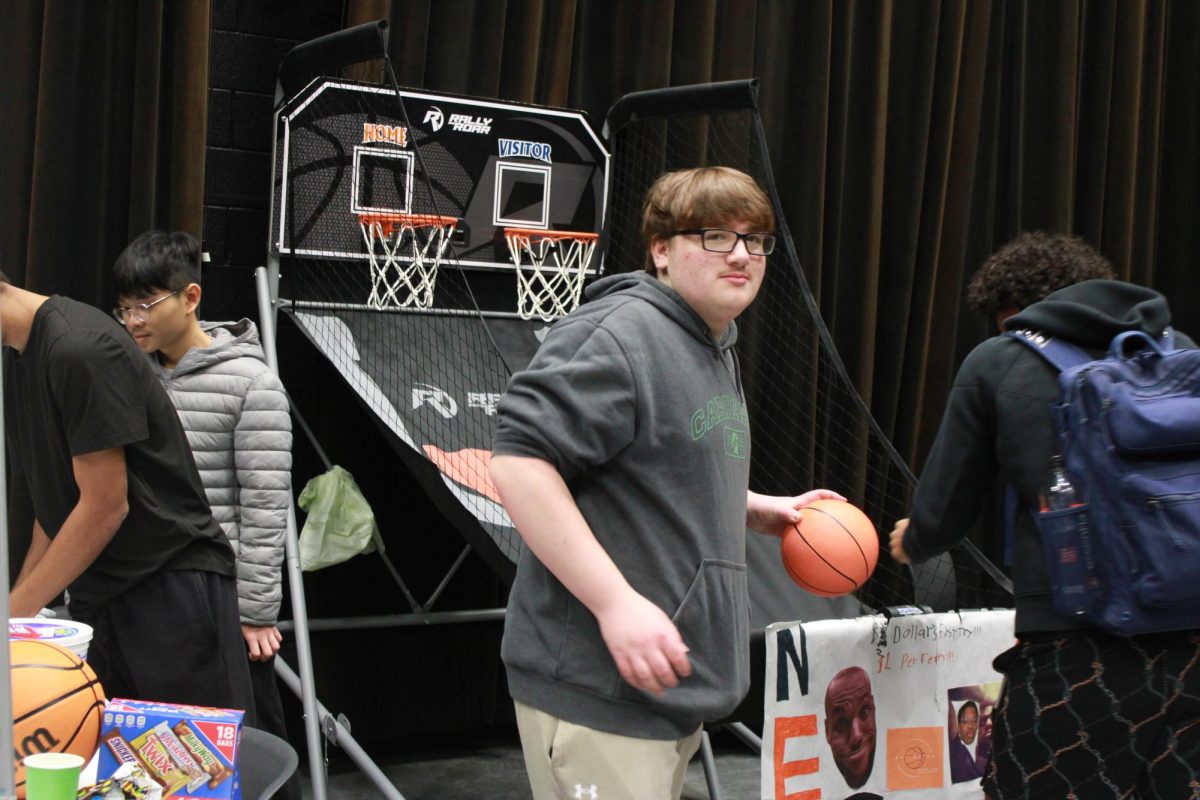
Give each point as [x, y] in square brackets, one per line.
[235, 414]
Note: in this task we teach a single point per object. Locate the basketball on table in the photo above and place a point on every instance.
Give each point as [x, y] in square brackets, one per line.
[57, 703]
[832, 550]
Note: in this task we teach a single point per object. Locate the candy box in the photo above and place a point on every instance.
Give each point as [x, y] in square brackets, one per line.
[191, 751]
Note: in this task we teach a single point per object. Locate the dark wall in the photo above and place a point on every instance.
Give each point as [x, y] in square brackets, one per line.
[394, 684]
[249, 39]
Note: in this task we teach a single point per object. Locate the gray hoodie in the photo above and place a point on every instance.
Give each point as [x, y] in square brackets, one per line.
[642, 413]
[238, 424]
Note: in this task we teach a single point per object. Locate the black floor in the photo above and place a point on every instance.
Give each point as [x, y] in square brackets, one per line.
[491, 767]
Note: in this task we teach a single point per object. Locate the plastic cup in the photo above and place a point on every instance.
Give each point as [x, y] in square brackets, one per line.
[52, 776]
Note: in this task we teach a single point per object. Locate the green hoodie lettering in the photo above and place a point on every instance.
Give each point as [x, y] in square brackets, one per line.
[715, 413]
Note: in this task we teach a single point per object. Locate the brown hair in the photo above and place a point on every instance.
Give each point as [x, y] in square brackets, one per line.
[700, 197]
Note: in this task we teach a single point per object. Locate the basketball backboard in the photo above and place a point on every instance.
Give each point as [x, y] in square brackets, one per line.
[346, 150]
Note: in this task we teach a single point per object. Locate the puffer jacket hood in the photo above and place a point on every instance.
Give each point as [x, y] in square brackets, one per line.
[230, 340]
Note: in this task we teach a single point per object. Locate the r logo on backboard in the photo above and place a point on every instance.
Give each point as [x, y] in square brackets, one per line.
[434, 117]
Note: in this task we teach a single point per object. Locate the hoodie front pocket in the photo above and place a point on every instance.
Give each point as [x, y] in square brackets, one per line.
[714, 620]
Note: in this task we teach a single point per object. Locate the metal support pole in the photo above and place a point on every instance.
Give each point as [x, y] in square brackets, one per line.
[342, 737]
[399, 620]
[748, 737]
[710, 767]
[308, 697]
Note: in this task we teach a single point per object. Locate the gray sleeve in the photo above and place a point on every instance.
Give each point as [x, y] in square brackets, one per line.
[575, 405]
[263, 462]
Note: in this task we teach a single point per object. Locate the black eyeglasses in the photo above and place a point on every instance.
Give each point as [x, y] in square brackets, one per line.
[139, 312]
[719, 240]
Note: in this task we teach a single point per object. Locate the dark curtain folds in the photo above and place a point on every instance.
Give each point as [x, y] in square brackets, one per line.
[102, 131]
[909, 139]
[103, 134]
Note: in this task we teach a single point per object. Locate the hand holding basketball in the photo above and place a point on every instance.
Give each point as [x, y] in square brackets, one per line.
[832, 550]
[774, 515]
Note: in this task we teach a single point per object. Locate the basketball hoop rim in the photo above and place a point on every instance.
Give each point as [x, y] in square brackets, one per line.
[585, 236]
[413, 220]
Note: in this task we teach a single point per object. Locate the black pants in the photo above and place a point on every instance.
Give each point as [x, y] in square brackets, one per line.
[269, 706]
[174, 638]
[1092, 715]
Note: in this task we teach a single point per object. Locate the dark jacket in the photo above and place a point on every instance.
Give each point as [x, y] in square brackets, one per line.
[998, 422]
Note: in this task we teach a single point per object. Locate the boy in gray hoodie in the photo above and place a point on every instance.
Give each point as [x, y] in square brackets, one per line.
[622, 456]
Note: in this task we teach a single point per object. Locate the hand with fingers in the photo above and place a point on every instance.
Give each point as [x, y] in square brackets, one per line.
[896, 542]
[773, 515]
[644, 643]
[262, 641]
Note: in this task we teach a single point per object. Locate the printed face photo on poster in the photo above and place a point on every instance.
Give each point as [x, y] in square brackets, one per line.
[969, 729]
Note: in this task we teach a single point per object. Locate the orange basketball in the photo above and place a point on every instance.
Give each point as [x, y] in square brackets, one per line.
[832, 550]
[57, 703]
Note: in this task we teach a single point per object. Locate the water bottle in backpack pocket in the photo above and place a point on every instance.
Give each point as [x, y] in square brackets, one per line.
[1067, 545]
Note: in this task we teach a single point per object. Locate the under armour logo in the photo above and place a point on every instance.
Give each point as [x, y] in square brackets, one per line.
[590, 792]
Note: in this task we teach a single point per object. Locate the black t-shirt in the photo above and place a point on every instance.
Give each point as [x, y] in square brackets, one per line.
[80, 386]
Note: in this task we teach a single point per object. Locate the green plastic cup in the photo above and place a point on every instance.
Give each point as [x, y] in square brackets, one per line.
[52, 776]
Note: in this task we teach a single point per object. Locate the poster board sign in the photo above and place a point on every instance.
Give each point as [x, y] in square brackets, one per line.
[874, 707]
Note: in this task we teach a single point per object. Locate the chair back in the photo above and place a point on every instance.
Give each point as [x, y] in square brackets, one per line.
[265, 762]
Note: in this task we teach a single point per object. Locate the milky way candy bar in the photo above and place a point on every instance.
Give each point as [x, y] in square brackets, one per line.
[180, 755]
[209, 761]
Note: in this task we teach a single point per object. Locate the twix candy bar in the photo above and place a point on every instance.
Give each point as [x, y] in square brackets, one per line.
[209, 761]
[158, 762]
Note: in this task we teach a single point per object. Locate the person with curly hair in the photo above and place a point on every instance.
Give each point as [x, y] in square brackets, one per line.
[1084, 713]
[1028, 268]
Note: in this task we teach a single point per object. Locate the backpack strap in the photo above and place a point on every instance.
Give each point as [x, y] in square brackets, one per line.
[1060, 353]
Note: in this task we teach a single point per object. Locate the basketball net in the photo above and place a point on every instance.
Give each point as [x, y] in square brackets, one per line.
[551, 266]
[405, 251]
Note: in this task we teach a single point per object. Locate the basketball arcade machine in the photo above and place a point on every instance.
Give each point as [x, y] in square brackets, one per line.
[425, 241]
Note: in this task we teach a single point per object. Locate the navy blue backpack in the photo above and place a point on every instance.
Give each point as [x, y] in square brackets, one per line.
[1126, 558]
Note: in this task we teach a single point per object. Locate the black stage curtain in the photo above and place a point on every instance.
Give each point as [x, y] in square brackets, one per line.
[102, 128]
[909, 139]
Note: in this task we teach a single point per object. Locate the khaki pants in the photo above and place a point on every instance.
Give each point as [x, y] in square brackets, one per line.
[570, 762]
